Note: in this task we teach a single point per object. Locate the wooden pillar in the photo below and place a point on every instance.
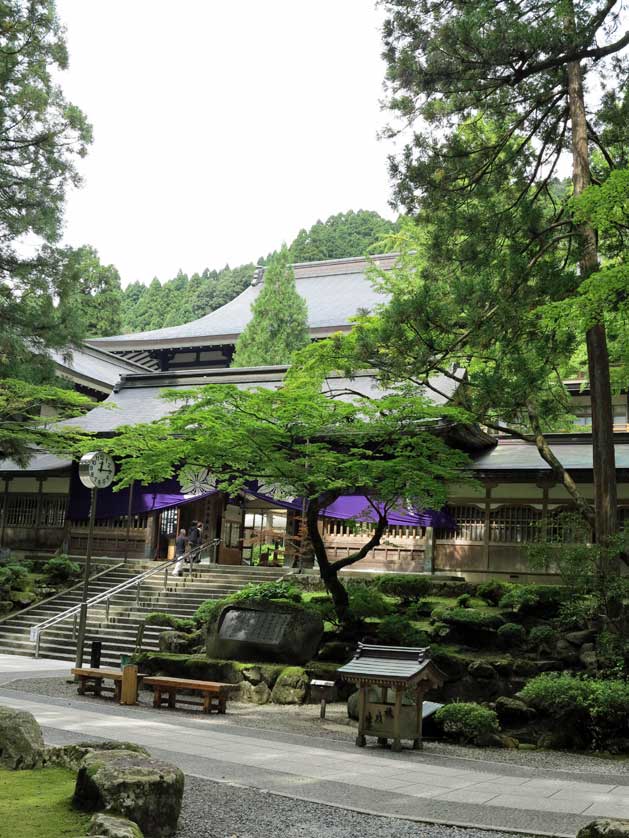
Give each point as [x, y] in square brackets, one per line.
[129, 508]
[396, 745]
[38, 509]
[150, 535]
[487, 524]
[5, 510]
[429, 550]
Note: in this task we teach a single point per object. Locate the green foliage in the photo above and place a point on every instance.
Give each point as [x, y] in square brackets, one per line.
[464, 601]
[43, 135]
[279, 324]
[160, 618]
[493, 590]
[469, 618]
[23, 429]
[512, 634]
[13, 576]
[98, 296]
[396, 630]
[366, 602]
[467, 722]
[346, 234]
[408, 587]
[534, 599]
[594, 708]
[541, 636]
[60, 570]
[576, 612]
[278, 589]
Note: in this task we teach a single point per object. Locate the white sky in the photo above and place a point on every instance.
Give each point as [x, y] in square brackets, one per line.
[221, 128]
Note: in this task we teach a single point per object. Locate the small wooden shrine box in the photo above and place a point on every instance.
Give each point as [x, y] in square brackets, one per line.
[395, 670]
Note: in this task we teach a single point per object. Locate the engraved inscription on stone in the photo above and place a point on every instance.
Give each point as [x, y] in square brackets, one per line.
[261, 627]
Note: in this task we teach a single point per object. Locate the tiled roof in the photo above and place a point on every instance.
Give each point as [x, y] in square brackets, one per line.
[138, 398]
[39, 462]
[92, 367]
[573, 453]
[334, 291]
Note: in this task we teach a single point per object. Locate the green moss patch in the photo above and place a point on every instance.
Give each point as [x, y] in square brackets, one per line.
[37, 804]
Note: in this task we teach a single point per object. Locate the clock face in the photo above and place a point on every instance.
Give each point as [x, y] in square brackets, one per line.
[96, 470]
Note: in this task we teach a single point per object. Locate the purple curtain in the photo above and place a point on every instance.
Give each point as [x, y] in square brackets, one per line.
[358, 508]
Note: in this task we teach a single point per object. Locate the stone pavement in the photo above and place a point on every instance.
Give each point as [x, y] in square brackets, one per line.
[411, 784]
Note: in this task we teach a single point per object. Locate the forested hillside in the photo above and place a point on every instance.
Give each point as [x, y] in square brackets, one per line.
[185, 298]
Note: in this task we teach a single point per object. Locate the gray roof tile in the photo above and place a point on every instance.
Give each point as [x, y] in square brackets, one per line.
[334, 291]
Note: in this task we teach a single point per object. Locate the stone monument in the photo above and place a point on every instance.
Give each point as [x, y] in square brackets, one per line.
[259, 630]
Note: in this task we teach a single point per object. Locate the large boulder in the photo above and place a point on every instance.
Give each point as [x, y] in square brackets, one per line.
[512, 710]
[21, 741]
[178, 642]
[131, 785]
[291, 687]
[109, 826]
[605, 828]
[259, 630]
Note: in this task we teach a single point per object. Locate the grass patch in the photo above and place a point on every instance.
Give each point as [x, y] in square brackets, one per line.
[37, 804]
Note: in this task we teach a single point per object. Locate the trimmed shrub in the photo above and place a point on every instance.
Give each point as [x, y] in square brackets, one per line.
[398, 631]
[512, 634]
[469, 618]
[160, 618]
[533, 599]
[278, 589]
[576, 612]
[467, 722]
[590, 711]
[493, 590]
[420, 610]
[12, 577]
[541, 636]
[368, 602]
[464, 601]
[408, 587]
[61, 570]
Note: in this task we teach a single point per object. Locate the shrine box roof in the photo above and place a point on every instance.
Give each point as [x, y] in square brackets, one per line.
[391, 665]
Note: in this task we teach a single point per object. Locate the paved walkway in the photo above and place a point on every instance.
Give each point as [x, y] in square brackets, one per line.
[410, 784]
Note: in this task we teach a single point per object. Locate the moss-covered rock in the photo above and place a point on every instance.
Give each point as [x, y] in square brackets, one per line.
[605, 828]
[71, 756]
[109, 826]
[21, 741]
[253, 693]
[145, 790]
[180, 642]
[291, 687]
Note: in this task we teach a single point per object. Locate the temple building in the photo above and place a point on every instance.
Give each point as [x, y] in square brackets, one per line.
[485, 530]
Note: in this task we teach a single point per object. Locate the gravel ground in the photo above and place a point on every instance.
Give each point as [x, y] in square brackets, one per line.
[216, 810]
[305, 720]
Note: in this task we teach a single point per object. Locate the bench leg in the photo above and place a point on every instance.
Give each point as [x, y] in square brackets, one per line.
[157, 697]
[98, 686]
[207, 703]
[117, 691]
[82, 683]
[222, 704]
[172, 698]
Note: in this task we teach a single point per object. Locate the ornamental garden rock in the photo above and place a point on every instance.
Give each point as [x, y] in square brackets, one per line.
[291, 687]
[21, 741]
[605, 828]
[131, 785]
[110, 826]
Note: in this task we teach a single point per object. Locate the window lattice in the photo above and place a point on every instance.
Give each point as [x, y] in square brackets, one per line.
[53, 511]
[21, 511]
[566, 526]
[516, 525]
[470, 524]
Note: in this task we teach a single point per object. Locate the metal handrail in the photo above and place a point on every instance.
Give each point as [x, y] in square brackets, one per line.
[106, 596]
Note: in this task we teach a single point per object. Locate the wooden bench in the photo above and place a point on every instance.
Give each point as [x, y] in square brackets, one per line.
[165, 689]
[92, 680]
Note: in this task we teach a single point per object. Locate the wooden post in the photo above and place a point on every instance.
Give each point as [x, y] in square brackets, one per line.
[397, 743]
[86, 582]
[5, 504]
[362, 703]
[38, 509]
[487, 526]
[429, 550]
[129, 508]
[129, 685]
[419, 700]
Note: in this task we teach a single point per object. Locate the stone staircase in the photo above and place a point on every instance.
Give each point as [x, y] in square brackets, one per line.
[180, 597]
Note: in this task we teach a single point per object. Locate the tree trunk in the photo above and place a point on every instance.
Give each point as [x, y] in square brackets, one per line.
[604, 465]
[328, 573]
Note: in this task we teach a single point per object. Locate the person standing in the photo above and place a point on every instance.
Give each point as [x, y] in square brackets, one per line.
[181, 547]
